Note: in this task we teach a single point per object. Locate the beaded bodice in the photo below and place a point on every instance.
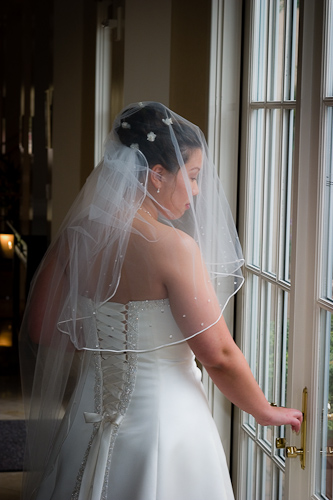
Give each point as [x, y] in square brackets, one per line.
[122, 332]
[116, 329]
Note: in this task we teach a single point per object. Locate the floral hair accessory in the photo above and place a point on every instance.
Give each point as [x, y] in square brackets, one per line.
[125, 125]
[167, 121]
[151, 137]
[134, 146]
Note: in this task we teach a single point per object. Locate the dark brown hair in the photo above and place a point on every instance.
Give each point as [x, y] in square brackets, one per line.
[135, 127]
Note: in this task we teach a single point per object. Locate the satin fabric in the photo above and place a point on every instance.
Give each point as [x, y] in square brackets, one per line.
[143, 429]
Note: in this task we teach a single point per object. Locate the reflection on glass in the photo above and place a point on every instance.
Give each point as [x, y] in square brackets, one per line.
[252, 335]
[282, 349]
[272, 90]
[264, 481]
[272, 190]
[269, 337]
[280, 494]
[286, 191]
[259, 52]
[267, 478]
[255, 186]
[327, 281]
[275, 43]
[276, 51]
[291, 47]
[326, 449]
[251, 470]
[329, 50]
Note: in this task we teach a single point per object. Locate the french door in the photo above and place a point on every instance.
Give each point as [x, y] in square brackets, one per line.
[285, 315]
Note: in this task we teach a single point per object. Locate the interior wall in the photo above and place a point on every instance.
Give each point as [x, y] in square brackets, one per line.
[166, 59]
[73, 109]
[147, 51]
[190, 60]
[167, 49]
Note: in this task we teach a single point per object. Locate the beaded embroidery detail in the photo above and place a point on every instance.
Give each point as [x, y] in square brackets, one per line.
[116, 387]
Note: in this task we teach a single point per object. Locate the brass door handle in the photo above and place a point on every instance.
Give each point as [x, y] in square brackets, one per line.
[328, 451]
[293, 451]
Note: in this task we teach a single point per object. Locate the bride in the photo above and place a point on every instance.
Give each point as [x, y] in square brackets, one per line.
[131, 291]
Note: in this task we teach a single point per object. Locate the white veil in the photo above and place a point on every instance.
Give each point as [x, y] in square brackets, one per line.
[83, 267]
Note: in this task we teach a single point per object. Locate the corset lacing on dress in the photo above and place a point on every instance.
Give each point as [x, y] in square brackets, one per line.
[115, 380]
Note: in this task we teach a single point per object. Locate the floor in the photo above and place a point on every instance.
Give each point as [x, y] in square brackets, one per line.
[11, 407]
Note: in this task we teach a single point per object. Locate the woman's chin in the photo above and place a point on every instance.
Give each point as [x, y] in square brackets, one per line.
[172, 214]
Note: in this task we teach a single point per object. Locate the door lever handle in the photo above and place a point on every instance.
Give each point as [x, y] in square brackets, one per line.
[293, 451]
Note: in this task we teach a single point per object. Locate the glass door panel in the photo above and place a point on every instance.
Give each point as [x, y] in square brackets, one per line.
[268, 230]
[324, 476]
[287, 161]
[325, 449]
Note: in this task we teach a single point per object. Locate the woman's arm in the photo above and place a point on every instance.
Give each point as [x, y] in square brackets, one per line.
[229, 370]
[194, 305]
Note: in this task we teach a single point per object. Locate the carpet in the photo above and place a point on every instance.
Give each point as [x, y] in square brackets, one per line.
[12, 441]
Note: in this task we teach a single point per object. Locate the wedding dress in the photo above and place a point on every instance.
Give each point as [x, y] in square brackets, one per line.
[115, 406]
[143, 429]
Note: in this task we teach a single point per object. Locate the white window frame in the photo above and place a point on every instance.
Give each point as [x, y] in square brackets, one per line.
[223, 128]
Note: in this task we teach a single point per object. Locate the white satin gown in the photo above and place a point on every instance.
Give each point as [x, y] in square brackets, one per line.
[143, 429]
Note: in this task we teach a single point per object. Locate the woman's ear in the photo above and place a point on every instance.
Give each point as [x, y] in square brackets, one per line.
[157, 176]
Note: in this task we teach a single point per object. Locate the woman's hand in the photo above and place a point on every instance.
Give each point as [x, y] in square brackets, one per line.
[281, 416]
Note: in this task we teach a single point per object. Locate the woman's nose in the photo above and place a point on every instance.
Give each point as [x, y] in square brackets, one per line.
[195, 189]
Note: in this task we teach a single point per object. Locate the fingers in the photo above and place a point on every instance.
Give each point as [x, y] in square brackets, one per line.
[294, 419]
[296, 426]
[299, 419]
[284, 416]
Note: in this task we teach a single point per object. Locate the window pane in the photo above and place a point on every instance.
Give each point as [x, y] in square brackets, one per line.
[270, 147]
[276, 49]
[259, 53]
[268, 334]
[329, 50]
[255, 180]
[283, 347]
[267, 477]
[325, 453]
[251, 470]
[327, 275]
[275, 40]
[282, 361]
[252, 335]
[272, 190]
[291, 46]
[280, 495]
[286, 192]
[267, 352]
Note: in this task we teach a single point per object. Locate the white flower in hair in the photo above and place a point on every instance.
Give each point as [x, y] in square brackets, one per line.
[125, 125]
[140, 104]
[167, 121]
[151, 137]
[134, 146]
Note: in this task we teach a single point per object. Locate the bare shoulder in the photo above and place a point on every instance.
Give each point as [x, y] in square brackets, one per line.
[167, 254]
[175, 244]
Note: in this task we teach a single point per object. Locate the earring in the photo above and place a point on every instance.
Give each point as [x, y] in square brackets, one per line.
[158, 190]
